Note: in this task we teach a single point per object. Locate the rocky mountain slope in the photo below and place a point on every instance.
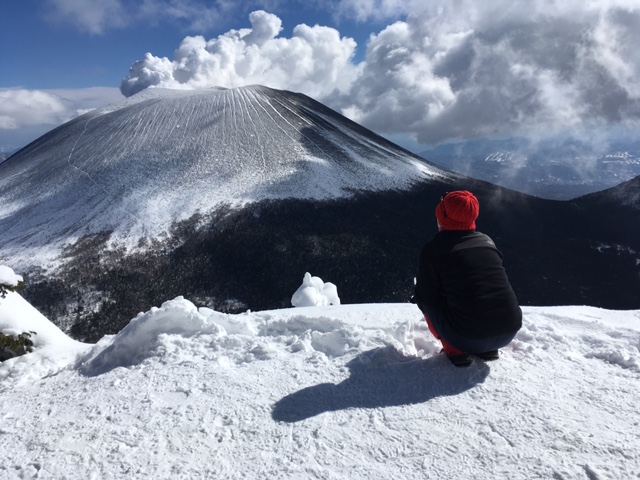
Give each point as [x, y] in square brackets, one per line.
[164, 155]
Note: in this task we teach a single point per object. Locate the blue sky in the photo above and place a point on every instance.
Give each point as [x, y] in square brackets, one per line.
[42, 50]
[420, 73]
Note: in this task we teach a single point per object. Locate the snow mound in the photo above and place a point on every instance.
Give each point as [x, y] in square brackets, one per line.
[147, 334]
[315, 292]
[53, 350]
[8, 277]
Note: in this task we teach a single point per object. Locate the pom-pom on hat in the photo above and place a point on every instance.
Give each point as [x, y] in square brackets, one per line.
[458, 211]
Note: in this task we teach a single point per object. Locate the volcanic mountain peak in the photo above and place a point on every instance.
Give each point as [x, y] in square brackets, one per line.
[136, 167]
[627, 193]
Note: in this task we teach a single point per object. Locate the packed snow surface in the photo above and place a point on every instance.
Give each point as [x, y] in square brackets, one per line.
[332, 392]
[8, 277]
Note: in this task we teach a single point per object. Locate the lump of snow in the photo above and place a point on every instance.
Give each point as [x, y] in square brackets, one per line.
[8, 277]
[143, 336]
[18, 316]
[53, 350]
[314, 293]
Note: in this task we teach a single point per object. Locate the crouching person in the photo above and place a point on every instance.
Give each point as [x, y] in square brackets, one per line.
[462, 287]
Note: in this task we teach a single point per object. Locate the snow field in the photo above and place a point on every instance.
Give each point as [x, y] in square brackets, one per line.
[332, 392]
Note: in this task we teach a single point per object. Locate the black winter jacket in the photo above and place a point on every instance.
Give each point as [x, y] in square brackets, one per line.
[462, 272]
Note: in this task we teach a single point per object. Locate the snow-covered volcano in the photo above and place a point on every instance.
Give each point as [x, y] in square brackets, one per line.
[163, 155]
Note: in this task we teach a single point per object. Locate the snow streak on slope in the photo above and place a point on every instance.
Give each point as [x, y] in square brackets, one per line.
[163, 155]
[357, 392]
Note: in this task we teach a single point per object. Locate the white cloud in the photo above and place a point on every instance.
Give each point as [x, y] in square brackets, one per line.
[88, 15]
[452, 69]
[477, 69]
[27, 114]
[19, 107]
[616, 40]
[446, 69]
[196, 15]
[364, 10]
[23, 108]
[97, 17]
[315, 60]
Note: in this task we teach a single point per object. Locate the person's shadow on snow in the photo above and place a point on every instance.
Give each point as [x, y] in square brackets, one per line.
[382, 377]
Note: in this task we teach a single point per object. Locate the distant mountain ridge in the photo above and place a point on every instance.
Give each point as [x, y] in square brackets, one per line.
[627, 194]
[558, 169]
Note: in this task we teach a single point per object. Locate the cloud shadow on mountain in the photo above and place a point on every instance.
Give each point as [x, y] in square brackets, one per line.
[382, 377]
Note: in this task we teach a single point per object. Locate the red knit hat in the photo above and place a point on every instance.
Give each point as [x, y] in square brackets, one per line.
[458, 211]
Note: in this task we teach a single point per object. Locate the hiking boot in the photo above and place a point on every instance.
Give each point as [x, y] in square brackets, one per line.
[461, 360]
[490, 355]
